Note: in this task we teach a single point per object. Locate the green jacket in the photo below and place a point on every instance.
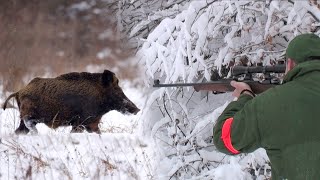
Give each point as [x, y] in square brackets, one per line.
[284, 120]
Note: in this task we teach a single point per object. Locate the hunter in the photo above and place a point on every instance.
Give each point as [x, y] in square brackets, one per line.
[283, 120]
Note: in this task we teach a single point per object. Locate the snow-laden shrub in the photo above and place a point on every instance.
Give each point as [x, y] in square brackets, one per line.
[212, 33]
[137, 18]
[185, 47]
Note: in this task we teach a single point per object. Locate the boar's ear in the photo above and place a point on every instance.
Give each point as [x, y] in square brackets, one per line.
[115, 80]
[107, 77]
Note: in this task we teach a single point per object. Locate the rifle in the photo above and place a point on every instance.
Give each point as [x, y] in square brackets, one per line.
[238, 73]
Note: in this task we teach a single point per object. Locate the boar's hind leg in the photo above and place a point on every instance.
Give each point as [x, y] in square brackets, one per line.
[22, 129]
[30, 123]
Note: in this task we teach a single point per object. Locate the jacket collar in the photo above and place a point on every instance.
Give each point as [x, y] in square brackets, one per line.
[302, 69]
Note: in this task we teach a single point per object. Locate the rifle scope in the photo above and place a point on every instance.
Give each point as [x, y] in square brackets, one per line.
[238, 70]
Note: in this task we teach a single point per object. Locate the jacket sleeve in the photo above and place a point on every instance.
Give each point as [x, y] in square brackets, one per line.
[236, 130]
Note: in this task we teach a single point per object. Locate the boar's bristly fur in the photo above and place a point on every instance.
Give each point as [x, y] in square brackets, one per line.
[76, 99]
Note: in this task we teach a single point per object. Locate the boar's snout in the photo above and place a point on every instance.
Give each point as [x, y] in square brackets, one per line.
[136, 111]
[129, 107]
[121, 102]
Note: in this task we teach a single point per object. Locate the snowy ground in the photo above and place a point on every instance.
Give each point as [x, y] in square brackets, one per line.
[74, 156]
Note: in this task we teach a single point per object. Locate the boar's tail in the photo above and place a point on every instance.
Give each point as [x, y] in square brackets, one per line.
[7, 100]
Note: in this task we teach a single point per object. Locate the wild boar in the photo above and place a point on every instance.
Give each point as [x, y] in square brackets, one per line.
[74, 99]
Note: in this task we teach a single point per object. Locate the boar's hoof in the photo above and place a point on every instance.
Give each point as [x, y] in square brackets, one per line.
[21, 131]
[136, 111]
[132, 110]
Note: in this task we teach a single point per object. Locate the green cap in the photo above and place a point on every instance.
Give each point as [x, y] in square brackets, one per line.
[303, 48]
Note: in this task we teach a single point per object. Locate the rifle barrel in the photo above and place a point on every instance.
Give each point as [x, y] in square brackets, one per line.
[222, 81]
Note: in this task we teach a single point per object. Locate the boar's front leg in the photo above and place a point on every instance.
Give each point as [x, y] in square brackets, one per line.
[77, 129]
[94, 126]
[91, 124]
[91, 127]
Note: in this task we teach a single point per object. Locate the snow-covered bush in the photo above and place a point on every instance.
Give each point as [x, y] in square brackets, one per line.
[209, 34]
[138, 18]
[195, 38]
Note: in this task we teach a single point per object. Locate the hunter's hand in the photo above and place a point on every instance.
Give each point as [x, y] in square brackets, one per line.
[239, 87]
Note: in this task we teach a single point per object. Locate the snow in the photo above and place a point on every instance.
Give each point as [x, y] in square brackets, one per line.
[75, 156]
[104, 53]
[105, 35]
[81, 6]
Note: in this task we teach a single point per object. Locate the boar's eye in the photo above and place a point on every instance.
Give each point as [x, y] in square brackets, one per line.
[107, 77]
